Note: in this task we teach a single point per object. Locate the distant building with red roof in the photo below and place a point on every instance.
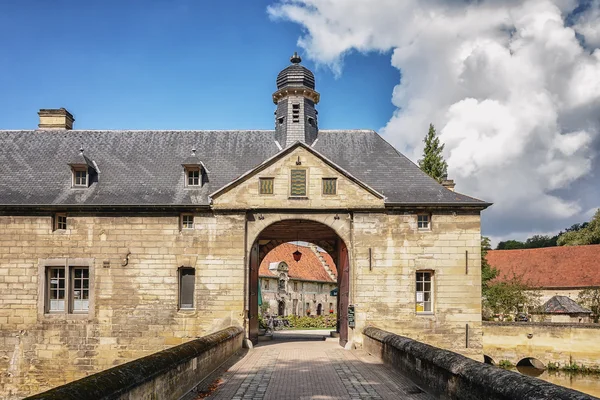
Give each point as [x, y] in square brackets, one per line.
[304, 287]
[561, 270]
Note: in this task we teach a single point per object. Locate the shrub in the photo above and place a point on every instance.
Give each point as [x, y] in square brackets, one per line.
[321, 321]
[505, 364]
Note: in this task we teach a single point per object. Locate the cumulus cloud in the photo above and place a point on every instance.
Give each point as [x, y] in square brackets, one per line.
[513, 88]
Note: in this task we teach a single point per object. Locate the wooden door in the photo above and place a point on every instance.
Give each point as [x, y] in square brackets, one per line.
[343, 292]
[253, 295]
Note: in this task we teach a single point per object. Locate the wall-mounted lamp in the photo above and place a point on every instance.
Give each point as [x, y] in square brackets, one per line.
[298, 162]
[336, 217]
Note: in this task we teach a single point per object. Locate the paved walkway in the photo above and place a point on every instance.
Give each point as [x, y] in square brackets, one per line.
[296, 366]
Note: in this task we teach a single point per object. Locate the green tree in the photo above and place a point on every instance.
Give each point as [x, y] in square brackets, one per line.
[590, 298]
[487, 272]
[510, 296]
[510, 245]
[433, 162]
[589, 234]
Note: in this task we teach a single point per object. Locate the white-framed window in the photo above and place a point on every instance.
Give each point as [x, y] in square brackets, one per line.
[80, 177]
[187, 221]
[60, 221]
[194, 176]
[68, 289]
[187, 283]
[424, 221]
[56, 289]
[424, 292]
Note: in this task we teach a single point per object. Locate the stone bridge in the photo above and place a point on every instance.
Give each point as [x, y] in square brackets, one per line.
[389, 367]
[547, 342]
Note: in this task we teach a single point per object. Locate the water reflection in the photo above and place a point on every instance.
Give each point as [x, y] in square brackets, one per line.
[586, 383]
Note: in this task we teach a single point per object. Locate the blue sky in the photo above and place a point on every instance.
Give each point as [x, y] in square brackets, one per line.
[169, 65]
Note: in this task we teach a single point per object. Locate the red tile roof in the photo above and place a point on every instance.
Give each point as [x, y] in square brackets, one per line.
[308, 268]
[550, 267]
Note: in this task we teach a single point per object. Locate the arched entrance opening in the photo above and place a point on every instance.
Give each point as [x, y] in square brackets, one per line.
[281, 308]
[300, 230]
[488, 360]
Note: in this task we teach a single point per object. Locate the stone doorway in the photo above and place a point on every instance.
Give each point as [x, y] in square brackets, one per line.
[303, 230]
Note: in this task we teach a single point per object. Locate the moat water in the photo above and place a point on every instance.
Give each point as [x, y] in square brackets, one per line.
[586, 383]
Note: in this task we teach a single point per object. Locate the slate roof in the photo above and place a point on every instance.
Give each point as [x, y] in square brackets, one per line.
[309, 268]
[550, 267]
[144, 168]
[563, 305]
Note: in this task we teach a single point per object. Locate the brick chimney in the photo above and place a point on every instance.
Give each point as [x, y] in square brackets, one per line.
[55, 119]
[448, 183]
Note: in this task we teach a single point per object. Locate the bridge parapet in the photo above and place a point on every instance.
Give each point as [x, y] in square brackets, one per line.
[168, 374]
[451, 375]
[558, 343]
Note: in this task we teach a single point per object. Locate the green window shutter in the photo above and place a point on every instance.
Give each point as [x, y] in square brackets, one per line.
[298, 182]
[266, 185]
[329, 185]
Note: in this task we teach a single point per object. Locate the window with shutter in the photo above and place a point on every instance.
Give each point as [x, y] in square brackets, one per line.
[329, 186]
[298, 182]
[186, 287]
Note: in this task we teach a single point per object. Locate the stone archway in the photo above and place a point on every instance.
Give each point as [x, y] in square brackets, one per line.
[283, 230]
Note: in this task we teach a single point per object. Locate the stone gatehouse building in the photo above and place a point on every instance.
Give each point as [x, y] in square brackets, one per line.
[117, 244]
[304, 287]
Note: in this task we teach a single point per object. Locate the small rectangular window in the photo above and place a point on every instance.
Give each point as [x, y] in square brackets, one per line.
[56, 289]
[295, 286]
[80, 177]
[320, 288]
[265, 185]
[60, 221]
[193, 175]
[187, 221]
[187, 278]
[423, 221]
[329, 185]
[80, 289]
[424, 292]
[298, 182]
[266, 284]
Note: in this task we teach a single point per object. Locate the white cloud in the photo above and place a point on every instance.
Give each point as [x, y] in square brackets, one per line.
[512, 91]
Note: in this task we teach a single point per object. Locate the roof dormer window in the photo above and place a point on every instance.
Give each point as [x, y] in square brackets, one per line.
[193, 176]
[80, 176]
[83, 170]
[195, 171]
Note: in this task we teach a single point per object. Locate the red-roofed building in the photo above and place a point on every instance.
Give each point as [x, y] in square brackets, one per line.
[562, 270]
[304, 287]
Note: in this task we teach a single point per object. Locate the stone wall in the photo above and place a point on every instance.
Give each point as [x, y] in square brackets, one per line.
[308, 292]
[168, 374]
[547, 342]
[134, 260]
[384, 292]
[449, 375]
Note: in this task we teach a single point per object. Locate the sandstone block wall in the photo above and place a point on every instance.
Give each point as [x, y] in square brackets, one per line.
[384, 293]
[134, 306]
[548, 342]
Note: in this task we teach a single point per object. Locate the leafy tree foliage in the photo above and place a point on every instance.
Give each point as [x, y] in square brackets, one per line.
[433, 162]
[588, 234]
[537, 241]
[590, 298]
[487, 271]
[511, 296]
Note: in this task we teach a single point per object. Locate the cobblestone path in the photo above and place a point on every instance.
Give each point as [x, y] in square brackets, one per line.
[291, 369]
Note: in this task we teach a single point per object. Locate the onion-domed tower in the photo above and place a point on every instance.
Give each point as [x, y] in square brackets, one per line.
[296, 116]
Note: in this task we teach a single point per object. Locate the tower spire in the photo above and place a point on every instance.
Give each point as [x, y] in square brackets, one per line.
[296, 97]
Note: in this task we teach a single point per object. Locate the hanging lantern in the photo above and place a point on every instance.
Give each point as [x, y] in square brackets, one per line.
[297, 255]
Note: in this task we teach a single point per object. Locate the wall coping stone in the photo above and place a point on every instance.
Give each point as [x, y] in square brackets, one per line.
[114, 382]
[466, 378]
[542, 324]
